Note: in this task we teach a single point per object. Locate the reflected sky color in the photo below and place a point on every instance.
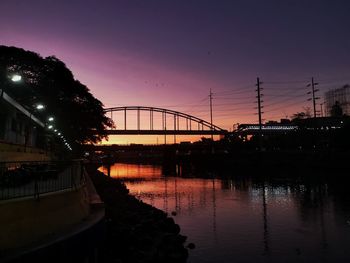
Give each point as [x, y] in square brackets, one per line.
[123, 171]
[232, 220]
[171, 53]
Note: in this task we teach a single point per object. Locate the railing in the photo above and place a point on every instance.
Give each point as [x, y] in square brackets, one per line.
[25, 179]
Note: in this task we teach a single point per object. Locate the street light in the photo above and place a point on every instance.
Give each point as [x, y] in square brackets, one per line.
[50, 119]
[16, 78]
[40, 106]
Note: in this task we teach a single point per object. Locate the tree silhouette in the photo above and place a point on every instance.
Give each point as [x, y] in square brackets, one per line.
[302, 115]
[78, 114]
[336, 110]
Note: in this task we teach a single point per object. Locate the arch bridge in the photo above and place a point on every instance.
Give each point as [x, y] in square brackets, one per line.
[159, 121]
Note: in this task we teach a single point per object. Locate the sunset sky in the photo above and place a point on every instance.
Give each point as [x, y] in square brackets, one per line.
[169, 54]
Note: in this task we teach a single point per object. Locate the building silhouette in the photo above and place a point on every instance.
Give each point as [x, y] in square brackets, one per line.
[339, 96]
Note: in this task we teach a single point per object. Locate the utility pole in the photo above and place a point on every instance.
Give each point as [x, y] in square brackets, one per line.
[313, 92]
[259, 95]
[211, 113]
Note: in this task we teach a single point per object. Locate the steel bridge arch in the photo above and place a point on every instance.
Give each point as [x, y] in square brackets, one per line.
[213, 129]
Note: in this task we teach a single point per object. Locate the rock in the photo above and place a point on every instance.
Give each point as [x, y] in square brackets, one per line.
[169, 226]
[191, 246]
[137, 232]
[182, 238]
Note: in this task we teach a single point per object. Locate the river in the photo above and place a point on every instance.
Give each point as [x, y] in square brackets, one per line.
[242, 219]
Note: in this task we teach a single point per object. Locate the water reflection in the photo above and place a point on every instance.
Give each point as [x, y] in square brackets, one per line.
[133, 171]
[246, 219]
[264, 205]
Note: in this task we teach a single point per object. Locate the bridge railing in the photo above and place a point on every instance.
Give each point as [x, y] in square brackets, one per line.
[32, 179]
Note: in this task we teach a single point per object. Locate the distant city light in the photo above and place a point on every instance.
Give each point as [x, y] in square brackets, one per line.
[50, 127]
[59, 134]
[16, 78]
[51, 119]
[40, 107]
[270, 127]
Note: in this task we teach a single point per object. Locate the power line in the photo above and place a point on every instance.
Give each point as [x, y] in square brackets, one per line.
[285, 100]
[233, 92]
[285, 82]
[223, 110]
[233, 114]
[285, 106]
[244, 88]
[335, 80]
[287, 91]
[235, 98]
[283, 96]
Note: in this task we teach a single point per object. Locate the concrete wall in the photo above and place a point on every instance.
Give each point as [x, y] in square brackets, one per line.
[15, 153]
[26, 221]
[15, 127]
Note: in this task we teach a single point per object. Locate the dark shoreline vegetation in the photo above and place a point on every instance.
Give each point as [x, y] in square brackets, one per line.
[135, 231]
[289, 164]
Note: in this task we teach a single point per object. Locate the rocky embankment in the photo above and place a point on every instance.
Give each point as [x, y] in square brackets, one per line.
[135, 231]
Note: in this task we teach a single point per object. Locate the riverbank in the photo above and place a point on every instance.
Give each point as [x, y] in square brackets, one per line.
[136, 232]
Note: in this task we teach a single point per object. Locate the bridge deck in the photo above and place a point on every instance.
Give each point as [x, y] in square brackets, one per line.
[165, 132]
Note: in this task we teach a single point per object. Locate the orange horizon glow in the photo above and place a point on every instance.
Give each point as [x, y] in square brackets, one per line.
[152, 139]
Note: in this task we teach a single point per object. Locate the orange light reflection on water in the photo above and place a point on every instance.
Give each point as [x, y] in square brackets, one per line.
[133, 171]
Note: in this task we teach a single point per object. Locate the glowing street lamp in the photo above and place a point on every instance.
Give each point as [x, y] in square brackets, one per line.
[16, 78]
[50, 127]
[51, 119]
[40, 106]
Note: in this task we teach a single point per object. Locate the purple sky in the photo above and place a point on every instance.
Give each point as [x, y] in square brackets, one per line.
[170, 53]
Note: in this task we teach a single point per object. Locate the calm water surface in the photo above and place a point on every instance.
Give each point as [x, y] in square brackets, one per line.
[241, 220]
